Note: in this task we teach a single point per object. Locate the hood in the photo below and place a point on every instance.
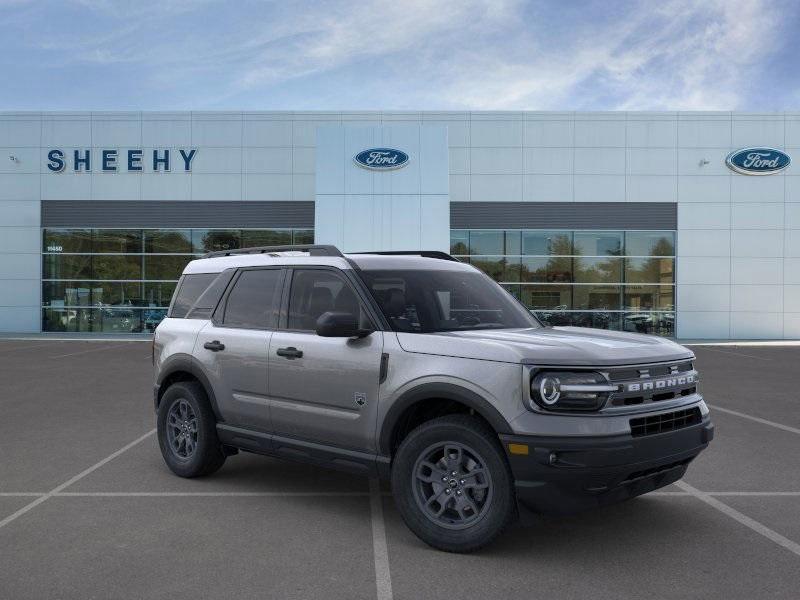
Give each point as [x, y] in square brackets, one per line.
[548, 346]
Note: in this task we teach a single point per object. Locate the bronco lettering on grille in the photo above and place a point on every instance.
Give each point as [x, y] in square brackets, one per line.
[660, 384]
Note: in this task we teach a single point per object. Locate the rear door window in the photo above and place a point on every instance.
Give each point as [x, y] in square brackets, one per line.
[253, 301]
[189, 290]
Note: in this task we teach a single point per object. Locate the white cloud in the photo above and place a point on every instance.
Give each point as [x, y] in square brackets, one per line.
[326, 38]
[683, 56]
[473, 54]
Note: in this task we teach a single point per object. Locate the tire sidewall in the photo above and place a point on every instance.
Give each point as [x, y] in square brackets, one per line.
[207, 449]
[474, 434]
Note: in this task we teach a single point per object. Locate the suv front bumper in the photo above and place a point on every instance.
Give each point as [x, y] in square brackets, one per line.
[562, 475]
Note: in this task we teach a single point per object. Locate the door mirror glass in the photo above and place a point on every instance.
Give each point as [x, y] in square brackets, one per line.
[340, 324]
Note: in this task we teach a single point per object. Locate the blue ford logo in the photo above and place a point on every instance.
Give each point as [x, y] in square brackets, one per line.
[381, 159]
[758, 161]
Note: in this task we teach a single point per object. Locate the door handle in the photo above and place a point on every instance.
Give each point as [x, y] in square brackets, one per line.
[214, 346]
[290, 352]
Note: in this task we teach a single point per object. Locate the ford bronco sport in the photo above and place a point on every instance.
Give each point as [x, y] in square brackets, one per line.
[418, 368]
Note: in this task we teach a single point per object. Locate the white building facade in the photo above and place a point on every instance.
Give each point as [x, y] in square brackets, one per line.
[629, 221]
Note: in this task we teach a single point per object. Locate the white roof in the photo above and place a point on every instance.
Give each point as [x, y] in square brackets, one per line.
[217, 264]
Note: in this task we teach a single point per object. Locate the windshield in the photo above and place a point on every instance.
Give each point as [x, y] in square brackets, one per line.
[427, 301]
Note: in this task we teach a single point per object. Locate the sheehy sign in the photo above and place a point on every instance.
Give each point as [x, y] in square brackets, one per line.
[112, 160]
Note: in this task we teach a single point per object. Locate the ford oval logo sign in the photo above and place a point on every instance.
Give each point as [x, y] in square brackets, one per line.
[758, 161]
[381, 159]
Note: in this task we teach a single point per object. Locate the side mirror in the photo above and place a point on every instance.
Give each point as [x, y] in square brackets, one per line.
[340, 324]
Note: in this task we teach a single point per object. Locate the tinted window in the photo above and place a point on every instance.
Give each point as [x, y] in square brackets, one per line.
[190, 288]
[429, 301]
[204, 307]
[252, 301]
[317, 291]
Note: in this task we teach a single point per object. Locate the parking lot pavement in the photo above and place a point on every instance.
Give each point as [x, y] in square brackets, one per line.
[105, 518]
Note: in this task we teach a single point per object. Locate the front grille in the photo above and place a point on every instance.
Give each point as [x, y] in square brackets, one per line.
[652, 383]
[633, 373]
[662, 423]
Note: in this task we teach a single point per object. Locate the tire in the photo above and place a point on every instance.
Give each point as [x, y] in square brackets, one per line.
[480, 502]
[200, 452]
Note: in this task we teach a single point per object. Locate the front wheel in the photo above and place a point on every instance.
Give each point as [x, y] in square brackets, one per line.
[187, 431]
[452, 484]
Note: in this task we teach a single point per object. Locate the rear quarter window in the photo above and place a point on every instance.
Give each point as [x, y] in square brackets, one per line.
[188, 291]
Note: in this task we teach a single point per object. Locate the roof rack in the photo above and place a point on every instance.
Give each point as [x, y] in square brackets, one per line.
[312, 249]
[424, 253]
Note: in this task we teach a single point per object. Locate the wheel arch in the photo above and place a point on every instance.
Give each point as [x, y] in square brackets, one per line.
[181, 367]
[417, 397]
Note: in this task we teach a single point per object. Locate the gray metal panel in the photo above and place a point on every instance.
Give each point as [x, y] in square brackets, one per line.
[563, 215]
[162, 213]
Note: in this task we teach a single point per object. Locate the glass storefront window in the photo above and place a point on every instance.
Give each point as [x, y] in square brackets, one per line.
[216, 240]
[274, 237]
[67, 266]
[168, 241]
[159, 267]
[650, 270]
[115, 266]
[547, 243]
[122, 241]
[597, 297]
[122, 280]
[158, 293]
[459, 242]
[487, 243]
[67, 240]
[91, 293]
[650, 243]
[598, 243]
[607, 279]
[598, 270]
[303, 236]
[546, 270]
[649, 297]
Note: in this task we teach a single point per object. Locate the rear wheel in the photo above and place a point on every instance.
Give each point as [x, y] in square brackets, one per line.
[452, 484]
[187, 432]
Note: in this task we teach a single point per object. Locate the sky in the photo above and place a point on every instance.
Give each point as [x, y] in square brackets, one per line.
[400, 55]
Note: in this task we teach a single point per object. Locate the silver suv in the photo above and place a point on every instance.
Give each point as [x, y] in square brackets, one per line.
[415, 367]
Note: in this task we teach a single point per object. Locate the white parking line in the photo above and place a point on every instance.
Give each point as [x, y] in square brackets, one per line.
[69, 482]
[313, 494]
[756, 419]
[212, 494]
[741, 518]
[383, 579]
[756, 494]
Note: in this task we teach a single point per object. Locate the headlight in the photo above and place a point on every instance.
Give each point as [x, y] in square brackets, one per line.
[570, 390]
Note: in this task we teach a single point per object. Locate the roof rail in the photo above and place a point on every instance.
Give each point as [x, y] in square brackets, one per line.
[312, 249]
[424, 253]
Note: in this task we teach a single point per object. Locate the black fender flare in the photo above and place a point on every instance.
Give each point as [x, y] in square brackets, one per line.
[446, 391]
[185, 363]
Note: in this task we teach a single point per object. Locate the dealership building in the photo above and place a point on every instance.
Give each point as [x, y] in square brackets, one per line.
[683, 224]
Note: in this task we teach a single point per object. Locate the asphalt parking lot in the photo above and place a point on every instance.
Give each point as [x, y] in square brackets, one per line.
[88, 509]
